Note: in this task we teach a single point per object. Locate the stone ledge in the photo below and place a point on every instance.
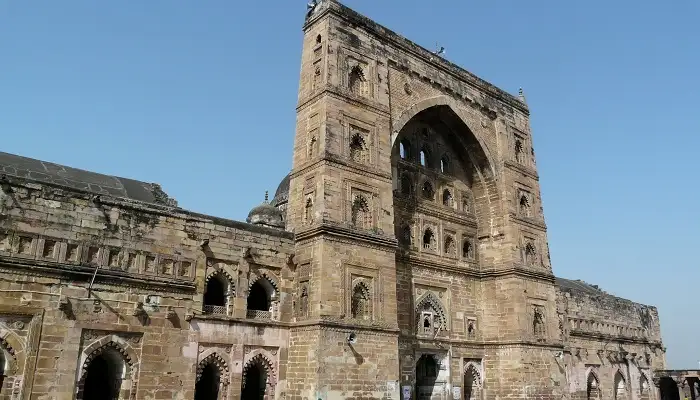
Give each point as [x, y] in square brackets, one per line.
[337, 230]
[85, 273]
[522, 169]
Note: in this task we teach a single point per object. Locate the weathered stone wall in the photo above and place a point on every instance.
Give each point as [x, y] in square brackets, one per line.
[147, 295]
[613, 345]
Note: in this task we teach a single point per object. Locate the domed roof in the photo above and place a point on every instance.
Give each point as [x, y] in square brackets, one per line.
[282, 193]
[266, 214]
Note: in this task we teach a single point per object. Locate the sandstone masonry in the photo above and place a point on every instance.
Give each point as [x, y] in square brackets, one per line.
[404, 256]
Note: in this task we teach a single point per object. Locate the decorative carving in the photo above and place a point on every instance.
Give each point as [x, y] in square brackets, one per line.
[538, 321]
[407, 88]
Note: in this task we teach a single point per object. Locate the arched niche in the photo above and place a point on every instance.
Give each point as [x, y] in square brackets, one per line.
[108, 367]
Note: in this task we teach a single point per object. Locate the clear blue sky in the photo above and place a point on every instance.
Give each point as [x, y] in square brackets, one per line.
[200, 97]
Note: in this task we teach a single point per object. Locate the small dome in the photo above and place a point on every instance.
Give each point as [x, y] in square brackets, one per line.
[266, 214]
[282, 193]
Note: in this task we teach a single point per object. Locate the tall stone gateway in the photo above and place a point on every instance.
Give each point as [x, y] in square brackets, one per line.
[415, 203]
[404, 257]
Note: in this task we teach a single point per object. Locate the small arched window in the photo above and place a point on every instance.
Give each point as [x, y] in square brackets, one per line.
[519, 151]
[360, 307]
[467, 250]
[404, 150]
[444, 165]
[524, 205]
[447, 198]
[361, 216]
[428, 190]
[428, 239]
[358, 149]
[530, 253]
[424, 158]
[449, 246]
[357, 80]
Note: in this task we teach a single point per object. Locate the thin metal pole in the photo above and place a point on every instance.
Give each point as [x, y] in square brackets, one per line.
[92, 281]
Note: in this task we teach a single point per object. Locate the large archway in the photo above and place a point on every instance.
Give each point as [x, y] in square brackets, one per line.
[104, 375]
[438, 162]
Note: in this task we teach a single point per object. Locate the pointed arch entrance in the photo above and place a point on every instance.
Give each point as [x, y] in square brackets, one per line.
[472, 382]
[427, 370]
[107, 371]
[212, 378]
[258, 379]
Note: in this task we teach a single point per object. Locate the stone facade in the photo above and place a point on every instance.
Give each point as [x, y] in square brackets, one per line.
[405, 256]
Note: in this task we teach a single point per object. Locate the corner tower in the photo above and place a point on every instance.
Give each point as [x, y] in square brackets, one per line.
[341, 210]
[415, 203]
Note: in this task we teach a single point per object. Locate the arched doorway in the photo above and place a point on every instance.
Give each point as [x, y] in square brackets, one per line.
[215, 295]
[255, 383]
[426, 376]
[260, 299]
[207, 387]
[668, 389]
[472, 383]
[592, 387]
[620, 387]
[103, 376]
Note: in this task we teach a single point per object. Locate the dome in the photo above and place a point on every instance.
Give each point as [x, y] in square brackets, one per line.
[282, 193]
[266, 214]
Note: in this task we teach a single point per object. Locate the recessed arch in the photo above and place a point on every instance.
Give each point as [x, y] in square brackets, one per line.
[429, 303]
[259, 376]
[451, 131]
[109, 362]
[212, 376]
[445, 101]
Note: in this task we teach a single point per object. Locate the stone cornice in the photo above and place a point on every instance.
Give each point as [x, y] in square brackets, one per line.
[329, 159]
[611, 338]
[437, 343]
[529, 221]
[532, 173]
[420, 53]
[327, 228]
[408, 258]
[335, 92]
[324, 323]
[84, 273]
[432, 209]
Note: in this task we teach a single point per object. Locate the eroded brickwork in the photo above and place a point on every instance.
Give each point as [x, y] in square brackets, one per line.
[405, 256]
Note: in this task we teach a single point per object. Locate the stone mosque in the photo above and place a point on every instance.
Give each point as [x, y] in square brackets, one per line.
[405, 256]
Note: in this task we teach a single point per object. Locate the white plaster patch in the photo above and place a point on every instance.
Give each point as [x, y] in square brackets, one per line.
[190, 351]
[49, 203]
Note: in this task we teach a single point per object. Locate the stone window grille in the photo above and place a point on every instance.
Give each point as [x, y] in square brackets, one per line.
[447, 199]
[360, 302]
[530, 253]
[358, 149]
[524, 205]
[361, 216]
[357, 82]
[449, 246]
